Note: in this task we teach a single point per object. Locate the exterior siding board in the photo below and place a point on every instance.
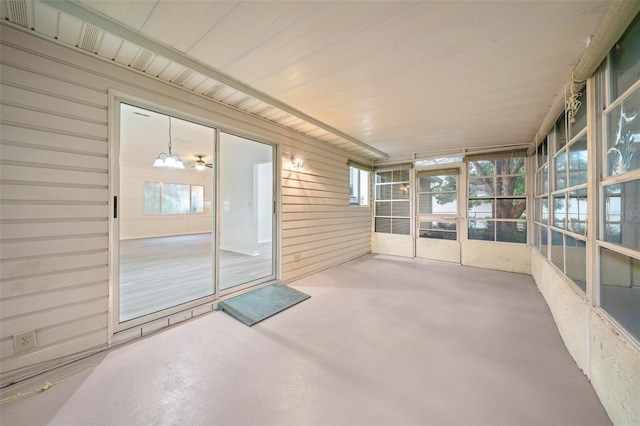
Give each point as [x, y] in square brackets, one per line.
[54, 195]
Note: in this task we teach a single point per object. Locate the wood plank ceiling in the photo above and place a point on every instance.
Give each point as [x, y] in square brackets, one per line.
[406, 78]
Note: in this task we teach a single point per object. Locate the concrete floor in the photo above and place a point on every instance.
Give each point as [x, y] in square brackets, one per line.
[383, 340]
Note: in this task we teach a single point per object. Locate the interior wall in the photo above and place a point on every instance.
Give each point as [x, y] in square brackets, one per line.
[135, 224]
[239, 202]
[55, 201]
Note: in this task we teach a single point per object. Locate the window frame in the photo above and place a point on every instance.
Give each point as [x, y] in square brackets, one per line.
[160, 198]
[450, 218]
[493, 157]
[406, 187]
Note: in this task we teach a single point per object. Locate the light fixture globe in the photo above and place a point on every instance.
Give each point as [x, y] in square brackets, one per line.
[170, 160]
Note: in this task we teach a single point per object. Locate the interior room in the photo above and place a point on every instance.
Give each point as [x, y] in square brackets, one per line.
[454, 184]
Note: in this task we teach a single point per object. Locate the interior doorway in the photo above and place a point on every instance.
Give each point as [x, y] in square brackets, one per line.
[247, 201]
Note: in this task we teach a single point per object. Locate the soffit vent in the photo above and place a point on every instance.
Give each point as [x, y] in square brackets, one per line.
[242, 101]
[142, 60]
[18, 12]
[211, 93]
[89, 39]
[183, 76]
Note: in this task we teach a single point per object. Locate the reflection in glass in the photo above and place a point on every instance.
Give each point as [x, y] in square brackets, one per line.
[481, 209]
[400, 191]
[557, 249]
[622, 214]
[400, 208]
[544, 237]
[482, 230]
[383, 208]
[545, 210]
[561, 170]
[577, 211]
[620, 289]
[559, 214]
[401, 226]
[576, 260]
[625, 57]
[383, 192]
[383, 177]
[383, 224]
[578, 162]
[401, 175]
[560, 133]
[543, 155]
[623, 136]
[511, 232]
[442, 230]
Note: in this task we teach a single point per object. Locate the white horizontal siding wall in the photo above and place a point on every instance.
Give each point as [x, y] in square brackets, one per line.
[54, 193]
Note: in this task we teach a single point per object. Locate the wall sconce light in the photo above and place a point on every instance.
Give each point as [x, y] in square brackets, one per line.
[296, 162]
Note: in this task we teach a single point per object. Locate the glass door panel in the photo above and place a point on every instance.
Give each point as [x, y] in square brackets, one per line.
[437, 215]
[246, 212]
[165, 212]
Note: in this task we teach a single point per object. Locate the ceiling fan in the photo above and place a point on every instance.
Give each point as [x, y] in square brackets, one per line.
[200, 164]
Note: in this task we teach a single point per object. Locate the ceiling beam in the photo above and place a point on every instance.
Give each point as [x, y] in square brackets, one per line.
[84, 14]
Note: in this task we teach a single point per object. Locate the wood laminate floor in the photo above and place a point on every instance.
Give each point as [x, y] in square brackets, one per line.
[158, 273]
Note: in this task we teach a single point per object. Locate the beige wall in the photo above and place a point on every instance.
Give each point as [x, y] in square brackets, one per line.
[135, 224]
[610, 360]
[55, 196]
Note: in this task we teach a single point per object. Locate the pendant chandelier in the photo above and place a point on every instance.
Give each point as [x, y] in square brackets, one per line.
[170, 160]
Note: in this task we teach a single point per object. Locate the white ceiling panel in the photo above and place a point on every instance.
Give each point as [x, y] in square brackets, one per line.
[69, 30]
[181, 21]
[116, 9]
[208, 19]
[138, 13]
[160, 18]
[157, 65]
[196, 80]
[127, 53]
[46, 19]
[171, 71]
[402, 77]
[207, 47]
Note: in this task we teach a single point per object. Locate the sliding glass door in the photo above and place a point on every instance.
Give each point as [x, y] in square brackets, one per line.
[165, 212]
[193, 216]
[246, 222]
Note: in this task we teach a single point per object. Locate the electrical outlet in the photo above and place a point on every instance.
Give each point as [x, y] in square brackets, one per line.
[24, 341]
